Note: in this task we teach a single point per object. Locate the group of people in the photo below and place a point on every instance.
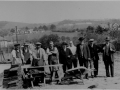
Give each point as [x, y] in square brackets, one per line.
[84, 54]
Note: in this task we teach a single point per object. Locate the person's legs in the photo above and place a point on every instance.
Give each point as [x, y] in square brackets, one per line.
[28, 61]
[81, 61]
[91, 67]
[64, 67]
[112, 69]
[69, 65]
[96, 67]
[107, 69]
[74, 61]
[86, 65]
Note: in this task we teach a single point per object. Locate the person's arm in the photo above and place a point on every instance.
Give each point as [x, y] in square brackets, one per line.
[48, 52]
[77, 51]
[44, 56]
[112, 48]
[69, 53]
[88, 52]
[13, 56]
[34, 55]
[31, 55]
[55, 51]
[22, 56]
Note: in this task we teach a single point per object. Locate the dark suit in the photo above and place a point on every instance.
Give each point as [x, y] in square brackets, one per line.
[65, 58]
[108, 58]
[94, 56]
[86, 53]
[83, 55]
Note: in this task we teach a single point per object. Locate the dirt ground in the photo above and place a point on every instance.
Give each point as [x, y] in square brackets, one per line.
[101, 82]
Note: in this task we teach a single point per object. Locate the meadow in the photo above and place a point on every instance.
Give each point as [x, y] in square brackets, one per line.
[40, 34]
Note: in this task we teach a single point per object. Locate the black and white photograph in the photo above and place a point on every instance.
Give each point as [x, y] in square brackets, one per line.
[59, 44]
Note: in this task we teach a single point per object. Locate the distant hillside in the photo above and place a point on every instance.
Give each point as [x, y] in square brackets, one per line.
[9, 25]
[81, 24]
[61, 24]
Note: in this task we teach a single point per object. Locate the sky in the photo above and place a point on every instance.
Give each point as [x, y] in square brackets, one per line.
[53, 11]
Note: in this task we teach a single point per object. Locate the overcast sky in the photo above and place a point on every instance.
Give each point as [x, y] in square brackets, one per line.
[52, 11]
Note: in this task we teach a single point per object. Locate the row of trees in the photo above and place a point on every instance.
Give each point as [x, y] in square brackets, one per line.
[41, 27]
[98, 29]
[54, 28]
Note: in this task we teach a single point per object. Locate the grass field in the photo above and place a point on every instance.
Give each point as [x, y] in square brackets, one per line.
[40, 34]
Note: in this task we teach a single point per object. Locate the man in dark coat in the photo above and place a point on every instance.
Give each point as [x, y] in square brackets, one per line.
[108, 57]
[65, 56]
[94, 55]
[83, 53]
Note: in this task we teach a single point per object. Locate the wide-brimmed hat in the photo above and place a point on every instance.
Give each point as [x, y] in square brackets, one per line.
[64, 43]
[81, 38]
[91, 40]
[17, 44]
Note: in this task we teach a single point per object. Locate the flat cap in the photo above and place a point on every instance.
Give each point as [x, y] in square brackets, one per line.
[91, 40]
[38, 43]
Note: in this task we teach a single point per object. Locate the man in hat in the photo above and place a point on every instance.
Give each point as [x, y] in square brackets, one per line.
[83, 53]
[65, 56]
[108, 57]
[39, 55]
[17, 55]
[72, 47]
[27, 54]
[53, 59]
[94, 57]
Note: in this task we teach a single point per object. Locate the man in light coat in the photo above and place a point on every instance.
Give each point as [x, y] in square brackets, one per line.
[39, 56]
[17, 55]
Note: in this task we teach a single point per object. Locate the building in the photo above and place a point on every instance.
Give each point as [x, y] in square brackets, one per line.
[4, 42]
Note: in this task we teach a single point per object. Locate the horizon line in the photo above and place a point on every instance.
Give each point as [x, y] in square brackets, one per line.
[60, 21]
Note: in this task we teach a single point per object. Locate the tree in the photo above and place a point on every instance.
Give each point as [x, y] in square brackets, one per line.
[12, 30]
[90, 29]
[3, 33]
[47, 38]
[91, 36]
[26, 28]
[99, 30]
[67, 39]
[45, 27]
[40, 27]
[63, 38]
[35, 29]
[52, 27]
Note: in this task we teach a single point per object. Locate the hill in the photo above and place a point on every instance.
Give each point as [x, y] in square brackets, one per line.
[61, 24]
[67, 24]
[9, 25]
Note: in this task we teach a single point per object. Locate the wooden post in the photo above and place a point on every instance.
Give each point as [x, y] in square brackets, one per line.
[16, 35]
